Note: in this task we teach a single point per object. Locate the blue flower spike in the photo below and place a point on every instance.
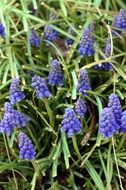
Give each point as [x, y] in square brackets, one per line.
[115, 105]
[55, 75]
[34, 39]
[86, 47]
[80, 108]
[49, 33]
[123, 122]
[7, 124]
[107, 123]
[2, 30]
[16, 94]
[40, 86]
[19, 119]
[27, 150]
[70, 123]
[83, 82]
[119, 20]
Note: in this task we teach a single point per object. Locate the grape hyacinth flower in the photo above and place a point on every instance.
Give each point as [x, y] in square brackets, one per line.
[18, 118]
[55, 75]
[83, 82]
[49, 33]
[16, 95]
[105, 66]
[116, 107]
[70, 41]
[80, 108]
[107, 123]
[27, 151]
[40, 85]
[34, 39]
[70, 123]
[123, 122]
[2, 30]
[7, 124]
[86, 47]
[119, 20]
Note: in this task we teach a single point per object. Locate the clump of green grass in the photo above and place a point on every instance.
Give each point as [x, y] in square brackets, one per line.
[87, 160]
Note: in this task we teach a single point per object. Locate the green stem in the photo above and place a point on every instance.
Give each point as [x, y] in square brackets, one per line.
[114, 151]
[76, 147]
[49, 111]
[36, 174]
[16, 185]
[121, 141]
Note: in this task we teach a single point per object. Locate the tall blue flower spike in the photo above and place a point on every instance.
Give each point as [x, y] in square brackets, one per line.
[18, 119]
[34, 39]
[119, 20]
[80, 108]
[83, 82]
[40, 86]
[55, 75]
[107, 123]
[123, 122]
[2, 30]
[116, 107]
[105, 66]
[16, 94]
[70, 123]
[49, 33]
[86, 47]
[7, 124]
[27, 150]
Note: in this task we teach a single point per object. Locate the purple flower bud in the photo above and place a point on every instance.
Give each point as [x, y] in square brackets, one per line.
[70, 123]
[80, 108]
[123, 122]
[16, 95]
[40, 85]
[2, 30]
[27, 151]
[34, 39]
[86, 47]
[83, 82]
[116, 107]
[119, 20]
[107, 123]
[55, 75]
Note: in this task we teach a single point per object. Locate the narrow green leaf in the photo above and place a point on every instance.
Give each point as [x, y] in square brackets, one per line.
[94, 175]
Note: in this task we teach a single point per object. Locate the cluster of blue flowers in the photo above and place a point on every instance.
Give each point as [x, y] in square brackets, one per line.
[27, 150]
[34, 39]
[55, 75]
[106, 66]
[40, 86]
[13, 118]
[2, 30]
[49, 33]
[112, 118]
[16, 95]
[70, 122]
[119, 21]
[86, 47]
[80, 107]
[83, 83]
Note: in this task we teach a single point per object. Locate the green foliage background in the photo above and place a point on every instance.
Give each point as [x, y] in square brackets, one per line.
[87, 161]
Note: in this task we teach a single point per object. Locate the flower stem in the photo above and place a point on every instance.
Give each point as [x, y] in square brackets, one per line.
[76, 147]
[49, 111]
[5, 141]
